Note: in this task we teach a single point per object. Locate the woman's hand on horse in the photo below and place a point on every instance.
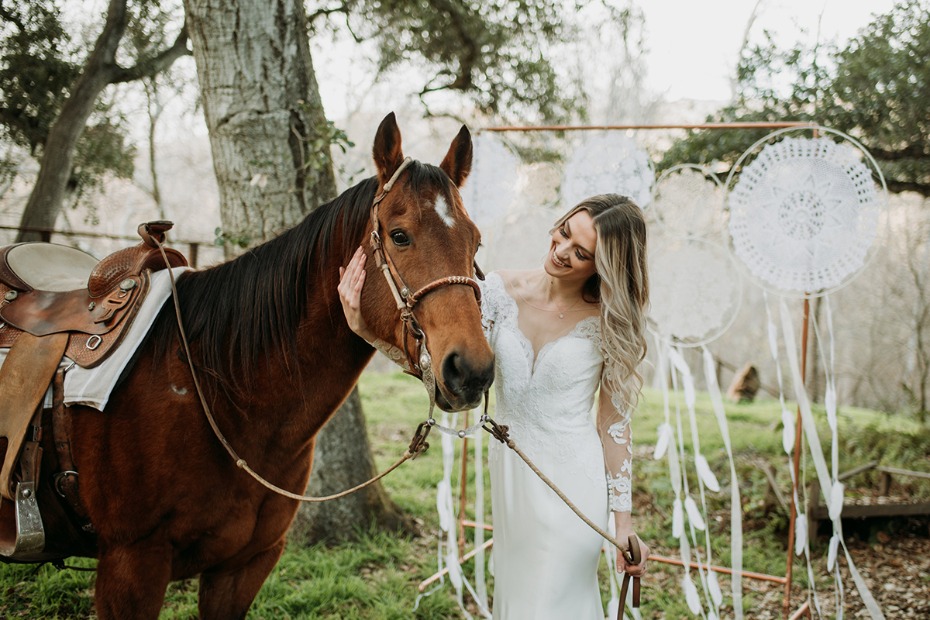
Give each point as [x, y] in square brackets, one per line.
[351, 281]
[624, 565]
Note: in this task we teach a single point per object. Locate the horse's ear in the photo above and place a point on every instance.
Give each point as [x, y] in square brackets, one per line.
[457, 162]
[387, 152]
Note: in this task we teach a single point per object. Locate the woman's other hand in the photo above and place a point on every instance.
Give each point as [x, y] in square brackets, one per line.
[624, 565]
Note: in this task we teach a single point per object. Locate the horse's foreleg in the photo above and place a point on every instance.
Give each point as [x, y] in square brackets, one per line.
[229, 594]
[131, 582]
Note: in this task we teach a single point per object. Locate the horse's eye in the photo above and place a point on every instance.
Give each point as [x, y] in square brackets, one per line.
[400, 238]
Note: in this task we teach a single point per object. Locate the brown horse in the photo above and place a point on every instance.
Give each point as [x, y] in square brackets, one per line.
[277, 359]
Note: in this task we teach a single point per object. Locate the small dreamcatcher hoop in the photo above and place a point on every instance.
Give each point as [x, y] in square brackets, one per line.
[607, 163]
[804, 213]
[695, 290]
[688, 201]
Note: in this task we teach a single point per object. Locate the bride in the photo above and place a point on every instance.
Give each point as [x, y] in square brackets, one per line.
[564, 335]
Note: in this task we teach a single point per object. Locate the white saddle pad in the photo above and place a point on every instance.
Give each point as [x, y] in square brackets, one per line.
[92, 386]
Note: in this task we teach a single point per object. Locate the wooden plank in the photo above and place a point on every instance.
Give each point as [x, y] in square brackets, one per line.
[877, 510]
[903, 472]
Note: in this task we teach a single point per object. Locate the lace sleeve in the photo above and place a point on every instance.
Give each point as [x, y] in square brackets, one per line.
[613, 425]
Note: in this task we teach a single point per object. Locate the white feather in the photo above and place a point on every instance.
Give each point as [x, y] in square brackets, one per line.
[455, 570]
[694, 514]
[800, 534]
[664, 433]
[831, 555]
[678, 519]
[704, 471]
[836, 500]
[714, 586]
[691, 594]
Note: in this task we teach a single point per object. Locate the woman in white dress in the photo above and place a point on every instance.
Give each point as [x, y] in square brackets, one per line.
[562, 334]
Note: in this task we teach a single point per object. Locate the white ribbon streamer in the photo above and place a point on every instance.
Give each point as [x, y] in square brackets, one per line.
[736, 515]
[820, 464]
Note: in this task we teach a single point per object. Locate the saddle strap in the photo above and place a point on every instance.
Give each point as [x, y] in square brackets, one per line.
[66, 480]
[24, 379]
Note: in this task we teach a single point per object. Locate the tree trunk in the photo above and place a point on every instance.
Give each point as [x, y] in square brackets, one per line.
[270, 144]
[341, 461]
[263, 112]
[45, 201]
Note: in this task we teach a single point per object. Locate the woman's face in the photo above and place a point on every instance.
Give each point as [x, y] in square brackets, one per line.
[571, 252]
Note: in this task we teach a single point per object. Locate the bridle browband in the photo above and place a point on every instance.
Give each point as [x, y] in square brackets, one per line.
[421, 365]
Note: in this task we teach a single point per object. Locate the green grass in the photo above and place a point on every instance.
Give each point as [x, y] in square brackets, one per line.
[377, 576]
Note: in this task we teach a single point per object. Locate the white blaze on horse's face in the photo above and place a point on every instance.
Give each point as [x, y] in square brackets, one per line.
[443, 211]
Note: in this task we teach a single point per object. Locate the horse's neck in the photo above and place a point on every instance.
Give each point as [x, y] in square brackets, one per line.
[330, 356]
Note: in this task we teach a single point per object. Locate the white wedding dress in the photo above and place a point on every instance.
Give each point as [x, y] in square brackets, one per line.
[545, 558]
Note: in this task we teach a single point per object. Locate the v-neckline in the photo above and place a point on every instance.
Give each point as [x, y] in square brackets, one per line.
[530, 351]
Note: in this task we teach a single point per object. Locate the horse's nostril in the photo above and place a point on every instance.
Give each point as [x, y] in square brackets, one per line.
[453, 372]
[465, 380]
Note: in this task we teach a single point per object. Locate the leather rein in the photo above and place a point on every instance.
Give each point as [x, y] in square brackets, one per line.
[421, 365]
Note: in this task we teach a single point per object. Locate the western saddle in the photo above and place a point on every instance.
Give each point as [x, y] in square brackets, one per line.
[58, 302]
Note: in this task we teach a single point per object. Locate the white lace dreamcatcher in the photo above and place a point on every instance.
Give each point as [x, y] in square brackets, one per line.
[607, 163]
[804, 215]
[695, 295]
[694, 289]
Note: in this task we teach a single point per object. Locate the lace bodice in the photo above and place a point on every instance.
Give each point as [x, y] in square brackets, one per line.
[546, 397]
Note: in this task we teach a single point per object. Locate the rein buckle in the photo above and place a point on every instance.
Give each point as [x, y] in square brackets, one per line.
[418, 443]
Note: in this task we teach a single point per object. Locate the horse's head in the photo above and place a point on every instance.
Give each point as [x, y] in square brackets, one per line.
[427, 246]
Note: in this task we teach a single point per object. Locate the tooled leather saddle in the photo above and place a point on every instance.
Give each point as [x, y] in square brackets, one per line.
[57, 302]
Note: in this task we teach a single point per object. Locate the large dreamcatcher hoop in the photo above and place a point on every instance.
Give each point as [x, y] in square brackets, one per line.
[804, 212]
[607, 163]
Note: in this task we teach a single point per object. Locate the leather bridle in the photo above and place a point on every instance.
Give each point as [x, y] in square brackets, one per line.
[405, 300]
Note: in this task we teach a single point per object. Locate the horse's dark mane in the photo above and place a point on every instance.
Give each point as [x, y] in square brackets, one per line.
[239, 311]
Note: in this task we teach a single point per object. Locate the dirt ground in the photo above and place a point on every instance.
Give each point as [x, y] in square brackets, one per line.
[893, 558]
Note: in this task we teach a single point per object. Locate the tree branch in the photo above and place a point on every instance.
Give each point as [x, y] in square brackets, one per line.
[8, 16]
[911, 151]
[342, 8]
[468, 57]
[152, 66]
[897, 187]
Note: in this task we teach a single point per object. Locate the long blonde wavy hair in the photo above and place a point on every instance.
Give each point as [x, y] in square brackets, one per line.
[621, 284]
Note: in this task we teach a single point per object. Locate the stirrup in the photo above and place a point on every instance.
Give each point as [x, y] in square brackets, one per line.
[30, 535]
